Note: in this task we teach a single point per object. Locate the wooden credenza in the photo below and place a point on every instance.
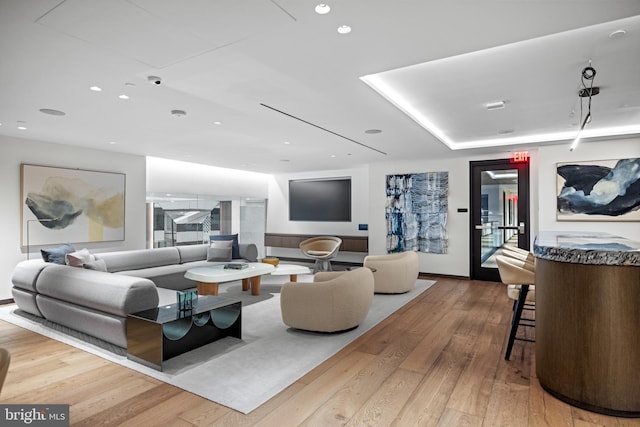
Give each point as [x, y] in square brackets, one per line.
[349, 243]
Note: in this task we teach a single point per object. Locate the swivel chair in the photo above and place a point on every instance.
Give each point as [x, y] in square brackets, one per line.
[322, 249]
[520, 281]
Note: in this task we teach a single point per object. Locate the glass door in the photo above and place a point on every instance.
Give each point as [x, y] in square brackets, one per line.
[500, 213]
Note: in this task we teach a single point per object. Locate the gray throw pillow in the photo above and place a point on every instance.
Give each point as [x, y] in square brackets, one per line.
[98, 265]
[76, 259]
[220, 251]
[226, 237]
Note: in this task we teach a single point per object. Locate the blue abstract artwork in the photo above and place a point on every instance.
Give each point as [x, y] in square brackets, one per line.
[599, 190]
[416, 212]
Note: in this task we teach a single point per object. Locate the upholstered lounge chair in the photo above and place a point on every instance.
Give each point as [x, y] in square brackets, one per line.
[335, 301]
[322, 249]
[393, 273]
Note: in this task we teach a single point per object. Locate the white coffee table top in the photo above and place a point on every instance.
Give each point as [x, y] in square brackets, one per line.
[288, 269]
[219, 274]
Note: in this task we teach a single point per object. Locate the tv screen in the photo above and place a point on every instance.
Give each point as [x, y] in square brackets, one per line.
[320, 199]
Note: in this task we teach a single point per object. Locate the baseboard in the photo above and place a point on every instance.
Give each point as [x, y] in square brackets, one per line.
[7, 301]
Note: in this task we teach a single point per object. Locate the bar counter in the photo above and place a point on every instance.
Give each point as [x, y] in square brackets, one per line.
[588, 320]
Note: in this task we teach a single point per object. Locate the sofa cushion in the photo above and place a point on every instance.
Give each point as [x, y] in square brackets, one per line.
[191, 253]
[110, 293]
[137, 259]
[166, 276]
[235, 254]
[57, 254]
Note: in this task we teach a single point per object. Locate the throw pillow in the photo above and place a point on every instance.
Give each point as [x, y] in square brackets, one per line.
[57, 254]
[97, 264]
[235, 254]
[220, 251]
[76, 259]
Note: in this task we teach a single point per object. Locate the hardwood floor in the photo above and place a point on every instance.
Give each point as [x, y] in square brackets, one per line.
[439, 361]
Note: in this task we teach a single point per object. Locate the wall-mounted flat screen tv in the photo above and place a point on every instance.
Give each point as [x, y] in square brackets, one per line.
[320, 199]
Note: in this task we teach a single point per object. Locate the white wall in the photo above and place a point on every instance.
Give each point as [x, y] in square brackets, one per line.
[456, 261]
[16, 151]
[172, 176]
[278, 210]
[587, 151]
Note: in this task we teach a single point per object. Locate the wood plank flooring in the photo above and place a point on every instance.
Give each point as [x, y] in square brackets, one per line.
[439, 361]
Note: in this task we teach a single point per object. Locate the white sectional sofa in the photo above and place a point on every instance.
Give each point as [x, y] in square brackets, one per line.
[97, 302]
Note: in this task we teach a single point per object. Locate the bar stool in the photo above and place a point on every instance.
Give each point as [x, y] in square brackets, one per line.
[521, 254]
[520, 281]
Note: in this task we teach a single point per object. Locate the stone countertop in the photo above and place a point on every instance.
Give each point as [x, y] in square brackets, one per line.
[584, 247]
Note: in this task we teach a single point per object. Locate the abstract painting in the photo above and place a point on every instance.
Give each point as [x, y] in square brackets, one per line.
[71, 205]
[416, 212]
[605, 190]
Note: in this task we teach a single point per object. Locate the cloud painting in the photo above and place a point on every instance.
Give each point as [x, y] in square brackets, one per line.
[72, 205]
[599, 190]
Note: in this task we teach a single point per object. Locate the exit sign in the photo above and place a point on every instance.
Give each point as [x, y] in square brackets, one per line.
[520, 156]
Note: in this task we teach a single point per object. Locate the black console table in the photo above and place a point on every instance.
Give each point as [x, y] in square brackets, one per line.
[159, 334]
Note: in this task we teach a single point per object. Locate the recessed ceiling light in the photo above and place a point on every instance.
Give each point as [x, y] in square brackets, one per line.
[332, 156]
[123, 96]
[96, 88]
[217, 123]
[372, 131]
[285, 160]
[323, 9]
[344, 29]
[178, 113]
[617, 33]
[112, 143]
[52, 112]
[130, 84]
[287, 143]
[22, 128]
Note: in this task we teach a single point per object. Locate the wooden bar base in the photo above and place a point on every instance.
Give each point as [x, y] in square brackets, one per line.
[587, 335]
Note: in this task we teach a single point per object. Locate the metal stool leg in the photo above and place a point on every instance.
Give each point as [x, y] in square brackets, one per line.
[515, 321]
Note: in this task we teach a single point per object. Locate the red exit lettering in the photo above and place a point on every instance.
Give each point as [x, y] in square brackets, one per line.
[520, 156]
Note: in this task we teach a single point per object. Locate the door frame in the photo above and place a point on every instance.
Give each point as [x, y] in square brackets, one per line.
[476, 271]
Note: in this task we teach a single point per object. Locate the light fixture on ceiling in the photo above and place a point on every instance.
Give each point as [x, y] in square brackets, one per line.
[372, 131]
[497, 105]
[178, 113]
[617, 33]
[52, 112]
[588, 73]
[123, 96]
[323, 9]
[96, 88]
[344, 29]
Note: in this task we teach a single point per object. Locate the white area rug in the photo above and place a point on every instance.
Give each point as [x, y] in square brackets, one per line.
[244, 374]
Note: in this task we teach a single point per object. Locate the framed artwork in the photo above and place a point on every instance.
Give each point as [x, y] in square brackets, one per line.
[603, 190]
[60, 205]
[416, 212]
